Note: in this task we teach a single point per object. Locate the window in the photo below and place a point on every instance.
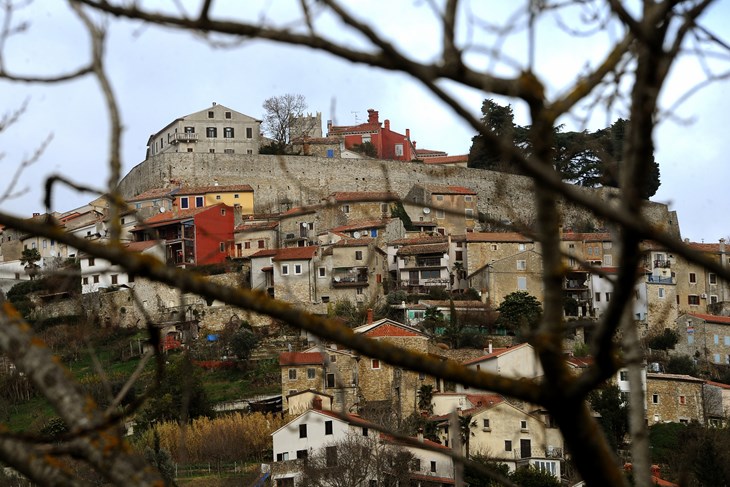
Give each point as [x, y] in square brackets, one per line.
[222, 247]
[330, 380]
[399, 150]
[459, 255]
[598, 297]
[623, 375]
[96, 279]
[661, 293]
[328, 427]
[322, 272]
[249, 151]
[229, 151]
[716, 339]
[365, 432]
[184, 203]
[297, 269]
[211, 114]
[45, 243]
[682, 400]
[712, 277]
[346, 208]
[115, 278]
[693, 300]
[440, 214]
[467, 198]
[212, 151]
[384, 207]
[359, 290]
[485, 423]
[189, 130]
[690, 339]
[227, 132]
[727, 341]
[692, 278]
[607, 260]
[374, 363]
[608, 297]
[717, 358]
[292, 374]
[331, 456]
[439, 197]
[373, 232]
[211, 132]
[358, 255]
[469, 214]
[302, 431]
[284, 269]
[325, 299]
[249, 133]
[85, 280]
[302, 454]
[713, 299]
[507, 445]
[282, 457]
[199, 202]
[433, 466]
[416, 465]
[494, 246]
[522, 283]
[311, 373]
[130, 278]
[655, 398]
[523, 424]
[261, 244]
[333, 358]
[91, 262]
[521, 265]
[246, 245]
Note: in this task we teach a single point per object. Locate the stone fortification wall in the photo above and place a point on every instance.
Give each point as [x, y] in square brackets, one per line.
[297, 180]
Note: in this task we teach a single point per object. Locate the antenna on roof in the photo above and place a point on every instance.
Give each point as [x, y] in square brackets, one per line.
[355, 115]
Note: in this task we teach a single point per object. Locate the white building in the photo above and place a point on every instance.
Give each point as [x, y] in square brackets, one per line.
[98, 273]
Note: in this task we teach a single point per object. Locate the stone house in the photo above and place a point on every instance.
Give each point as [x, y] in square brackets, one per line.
[673, 398]
[98, 273]
[421, 264]
[517, 362]
[581, 252]
[238, 196]
[483, 248]
[214, 130]
[301, 371]
[252, 236]
[508, 434]
[152, 202]
[705, 337]
[298, 226]
[383, 230]
[717, 403]
[294, 279]
[699, 290]
[350, 206]
[328, 147]
[518, 272]
[452, 208]
[351, 269]
[196, 236]
[262, 271]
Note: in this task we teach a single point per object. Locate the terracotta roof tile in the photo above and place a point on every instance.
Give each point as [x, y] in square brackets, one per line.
[175, 215]
[254, 227]
[496, 352]
[387, 330]
[354, 242]
[151, 194]
[462, 158]
[725, 320]
[706, 247]
[141, 246]
[301, 358]
[362, 224]
[264, 253]
[425, 239]
[496, 237]
[296, 253]
[424, 249]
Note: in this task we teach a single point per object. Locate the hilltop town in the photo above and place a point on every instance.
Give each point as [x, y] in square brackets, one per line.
[420, 248]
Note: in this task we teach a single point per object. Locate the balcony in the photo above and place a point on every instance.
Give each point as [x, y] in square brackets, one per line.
[659, 279]
[662, 264]
[349, 281]
[182, 137]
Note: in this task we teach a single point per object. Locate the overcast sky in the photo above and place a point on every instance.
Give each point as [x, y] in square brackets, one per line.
[161, 74]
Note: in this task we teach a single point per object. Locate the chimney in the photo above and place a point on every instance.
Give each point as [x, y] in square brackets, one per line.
[317, 403]
[408, 134]
[373, 116]
[489, 348]
[722, 245]
[413, 142]
[370, 316]
[420, 435]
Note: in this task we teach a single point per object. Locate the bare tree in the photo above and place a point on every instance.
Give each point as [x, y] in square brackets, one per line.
[627, 78]
[281, 115]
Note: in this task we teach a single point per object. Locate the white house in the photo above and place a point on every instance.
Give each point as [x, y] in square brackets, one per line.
[99, 273]
[516, 362]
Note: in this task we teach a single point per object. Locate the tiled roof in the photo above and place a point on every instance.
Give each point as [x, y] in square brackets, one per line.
[686, 378]
[243, 188]
[354, 242]
[457, 304]
[496, 237]
[725, 320]
[175, 215]
[438, 189]
[254, 227]
[362, 224]
[151, 194]
[424, 249]
[484, 400]
[301, 358]
[141, 246]
[358, 196]
[388, 330]
[300, 210]
[706, 247]
[496, 352]
[296, 253]
[587, 237]
[424, 239]
[264, 253]
[718, 384]
[462, 158]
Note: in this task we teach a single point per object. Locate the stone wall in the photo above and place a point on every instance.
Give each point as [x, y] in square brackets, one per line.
[305, 180]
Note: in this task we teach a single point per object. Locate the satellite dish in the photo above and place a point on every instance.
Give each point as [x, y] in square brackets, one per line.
[356, 234]
[304, 224]
[162, 209]
[426, 211]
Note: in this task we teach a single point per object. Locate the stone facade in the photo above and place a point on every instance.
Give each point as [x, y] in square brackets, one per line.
[306, 180]
[705, 337]
[673, 398]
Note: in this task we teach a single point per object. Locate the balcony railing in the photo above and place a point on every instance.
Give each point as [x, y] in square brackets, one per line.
[659, 280]
[662, 264]
[347, 281]
[183, 137]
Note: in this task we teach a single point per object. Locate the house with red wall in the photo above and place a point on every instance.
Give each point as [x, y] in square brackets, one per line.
[196, 236]
[388, 143]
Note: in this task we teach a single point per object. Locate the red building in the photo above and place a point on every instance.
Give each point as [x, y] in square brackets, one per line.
[387, 143]
[196, 236]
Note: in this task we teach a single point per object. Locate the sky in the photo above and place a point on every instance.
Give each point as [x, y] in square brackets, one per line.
[159, 74]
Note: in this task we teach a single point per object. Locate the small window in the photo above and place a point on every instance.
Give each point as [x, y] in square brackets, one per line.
[712, 277]
[330, 380]
[229, 151]
[494, 246]
[469, 213]
[521, 265]
[682, 400]
[333, 358]
[222, 247]
[302, 454]
[211, 114]
[246, 245]
[433, 466]
[598, 297]
[467, 198]
[507, 445]
[228, 114]
[331, 456]
[227, 132]
[717, 358]
[284, 269]
[328, 427]
[311, 373]
[115, 279]
[322, 272]
[184, 203]
[302, 431]
[91, 262]
[661, 293]
[249, 151]
[96, 279]
[365, 431]
[292, 374]
[693, 300]
[346, 208]
[249, 133]
[399, 150]
[85, 280]
[608, 297]
[199, 202]
[358, 255]
[416, 466]
[374, 363]
[623, 375]
[522, 283]
[325, 299]
[211, 132]
[297, 269]
[212, 151]
[261, 244]
[485, 423]
[523, 424]
[655, 398]
[692, 278]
